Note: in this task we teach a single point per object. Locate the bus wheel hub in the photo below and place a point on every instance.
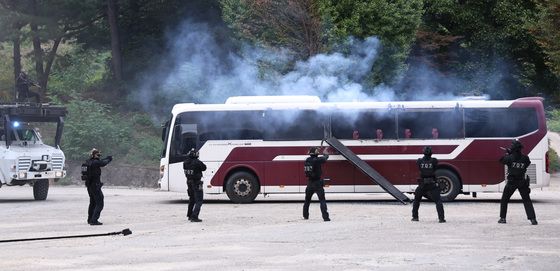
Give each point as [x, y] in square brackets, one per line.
[444, 185]
[242, 187]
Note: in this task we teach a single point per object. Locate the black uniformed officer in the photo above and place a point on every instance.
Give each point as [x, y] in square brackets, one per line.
[427, 184]
[94, 184]
[22, 84]
[517, 164]
[313, 171]
[193, 168]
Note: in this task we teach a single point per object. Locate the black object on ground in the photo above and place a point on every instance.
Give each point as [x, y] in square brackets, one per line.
[124, 232]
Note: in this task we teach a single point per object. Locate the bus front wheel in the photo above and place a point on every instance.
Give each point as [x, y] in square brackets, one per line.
[242, 187]
[448, 183]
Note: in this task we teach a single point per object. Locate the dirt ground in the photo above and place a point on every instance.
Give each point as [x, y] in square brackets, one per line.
[367, 232]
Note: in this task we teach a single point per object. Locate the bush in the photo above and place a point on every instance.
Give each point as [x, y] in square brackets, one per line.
[90, 124]
[76, 72]
[553, 160]
[553, 121]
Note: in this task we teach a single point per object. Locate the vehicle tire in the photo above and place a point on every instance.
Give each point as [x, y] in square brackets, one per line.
[242, 187]
[41, 189]
[448, 183]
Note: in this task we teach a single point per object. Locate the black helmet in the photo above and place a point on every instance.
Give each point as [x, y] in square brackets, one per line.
[516, 145]
[427, 151]
[193, 153]
[314, 151]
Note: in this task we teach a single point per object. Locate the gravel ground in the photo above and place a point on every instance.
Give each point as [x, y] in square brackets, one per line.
[367, 232]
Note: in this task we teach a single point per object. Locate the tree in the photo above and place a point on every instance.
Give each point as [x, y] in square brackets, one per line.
[547, 32]
[496, 53]
[395, 23]
[49, 24]
[115, 39]
[292, 24]
[11, 24]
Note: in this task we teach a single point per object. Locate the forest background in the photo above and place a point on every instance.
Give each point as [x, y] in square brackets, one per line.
[120, 65]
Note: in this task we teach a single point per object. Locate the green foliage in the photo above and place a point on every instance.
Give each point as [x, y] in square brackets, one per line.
[91, 125]
[553, 160]
[553, 121]
[77, 71]
[496, 52]
[394, 22]
[547, 32]
[6, 74]
[293, 25]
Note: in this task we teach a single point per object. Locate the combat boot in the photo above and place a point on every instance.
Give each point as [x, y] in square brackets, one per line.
[502, 220]
[195, 219]
[414, 219]
[96, 223]
[442, 220]
[534, 222]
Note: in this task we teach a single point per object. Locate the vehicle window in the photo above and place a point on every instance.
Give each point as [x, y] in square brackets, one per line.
[500, 122]
[231, 125]
[358, 124]
[431, 124]
[293, 125]
[26, 135]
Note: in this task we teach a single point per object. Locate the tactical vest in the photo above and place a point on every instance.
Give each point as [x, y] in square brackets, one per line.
[427, 168]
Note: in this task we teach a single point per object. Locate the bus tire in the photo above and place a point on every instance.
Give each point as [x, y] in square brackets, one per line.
[242, 187]
[448, 183]
[41, 189]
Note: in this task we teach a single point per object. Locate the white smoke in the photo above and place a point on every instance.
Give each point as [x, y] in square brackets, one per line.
[197, 69]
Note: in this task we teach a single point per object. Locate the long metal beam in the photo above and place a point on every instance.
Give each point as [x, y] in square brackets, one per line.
[368, 170]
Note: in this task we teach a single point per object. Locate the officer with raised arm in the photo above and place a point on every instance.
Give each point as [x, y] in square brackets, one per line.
[427, 184]
[193, 168]
[315, 183]
[517, 164]
[94, 184]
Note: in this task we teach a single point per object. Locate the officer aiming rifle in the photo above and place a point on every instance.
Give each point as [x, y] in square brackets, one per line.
[23, 83]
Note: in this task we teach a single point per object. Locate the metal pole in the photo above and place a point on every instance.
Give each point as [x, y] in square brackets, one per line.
[124, 232]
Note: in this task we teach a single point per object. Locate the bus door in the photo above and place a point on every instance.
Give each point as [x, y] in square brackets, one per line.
[185, 138]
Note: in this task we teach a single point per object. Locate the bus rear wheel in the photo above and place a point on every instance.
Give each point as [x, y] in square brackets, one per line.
[242, 187]
[41, 189]
[448, 183]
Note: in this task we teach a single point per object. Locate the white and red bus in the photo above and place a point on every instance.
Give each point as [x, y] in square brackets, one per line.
[257, 145]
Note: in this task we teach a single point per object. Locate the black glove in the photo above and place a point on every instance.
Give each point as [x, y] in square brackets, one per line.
[110, 157]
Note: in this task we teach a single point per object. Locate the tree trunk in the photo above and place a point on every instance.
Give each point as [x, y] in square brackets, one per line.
[37, 50]
[17, 61]
[115, 44]
[50, 61]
